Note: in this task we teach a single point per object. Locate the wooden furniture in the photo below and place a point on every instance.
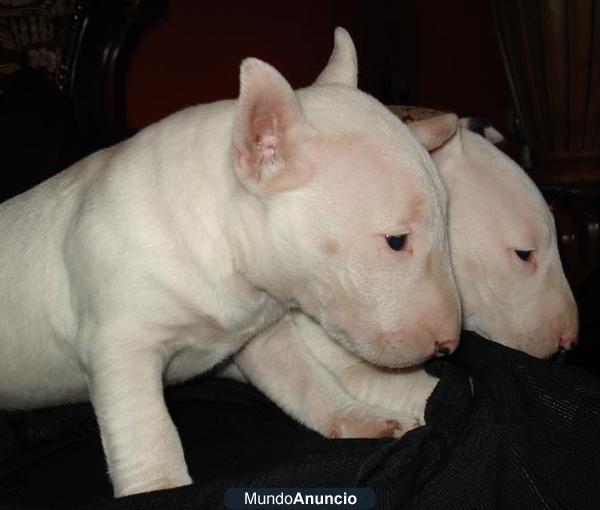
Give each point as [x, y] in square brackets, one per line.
[551, 51]
[63, 70]
[83, 47]
[93, 71]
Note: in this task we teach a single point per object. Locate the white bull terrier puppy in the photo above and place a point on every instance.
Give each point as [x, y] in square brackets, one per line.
[157, 258]
[511, 283]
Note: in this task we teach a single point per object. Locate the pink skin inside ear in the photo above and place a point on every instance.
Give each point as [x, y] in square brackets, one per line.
[266, 149]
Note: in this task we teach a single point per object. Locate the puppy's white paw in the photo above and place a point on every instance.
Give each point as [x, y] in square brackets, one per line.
[361, 420]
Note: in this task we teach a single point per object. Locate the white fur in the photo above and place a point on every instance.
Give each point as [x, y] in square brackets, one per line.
[161, 256]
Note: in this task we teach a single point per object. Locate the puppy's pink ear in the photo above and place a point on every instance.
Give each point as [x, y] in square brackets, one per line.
[434, 131]
[268, 131]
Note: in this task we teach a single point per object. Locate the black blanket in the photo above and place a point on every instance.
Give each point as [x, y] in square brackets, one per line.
[504, 430]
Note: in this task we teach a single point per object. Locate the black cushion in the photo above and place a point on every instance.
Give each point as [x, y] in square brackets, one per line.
[504, 430]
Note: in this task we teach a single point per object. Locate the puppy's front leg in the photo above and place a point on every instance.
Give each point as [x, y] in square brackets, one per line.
[140, 441]
[279, 364]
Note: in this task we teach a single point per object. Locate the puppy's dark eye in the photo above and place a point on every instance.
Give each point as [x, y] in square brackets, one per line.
[524, 255]
[396, 243]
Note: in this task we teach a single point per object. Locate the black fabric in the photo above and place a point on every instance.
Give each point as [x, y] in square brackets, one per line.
[504, 430]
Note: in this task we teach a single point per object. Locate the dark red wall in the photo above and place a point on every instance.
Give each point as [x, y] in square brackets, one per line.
[459, 61]
[428, 52]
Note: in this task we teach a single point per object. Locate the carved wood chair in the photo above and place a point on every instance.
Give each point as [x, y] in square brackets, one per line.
[63, 66]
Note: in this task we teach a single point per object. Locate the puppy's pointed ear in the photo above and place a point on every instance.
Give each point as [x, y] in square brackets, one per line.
[342, 68]
[434, 131]
[482, 127]
[268, 131]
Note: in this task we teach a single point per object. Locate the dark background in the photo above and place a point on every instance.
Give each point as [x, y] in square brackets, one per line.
[440, 54]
